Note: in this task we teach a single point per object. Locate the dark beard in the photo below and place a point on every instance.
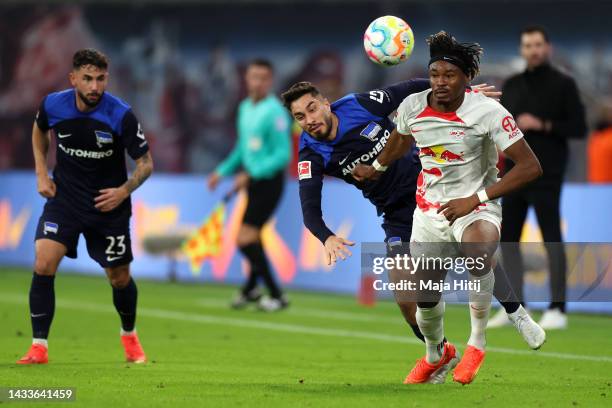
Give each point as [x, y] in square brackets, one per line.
[320, 138]
[324, 137]
[87, 102]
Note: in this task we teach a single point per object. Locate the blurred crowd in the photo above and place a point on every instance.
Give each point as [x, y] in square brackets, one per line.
[186, 92]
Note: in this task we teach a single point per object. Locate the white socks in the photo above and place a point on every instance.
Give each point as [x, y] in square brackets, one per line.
[41, 341]
[431, 323]
[480, 305]
[128, 333]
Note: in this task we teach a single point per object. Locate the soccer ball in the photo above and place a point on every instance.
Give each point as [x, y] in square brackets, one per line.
[388, 40]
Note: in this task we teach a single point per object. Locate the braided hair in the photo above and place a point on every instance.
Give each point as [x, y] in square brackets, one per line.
[443, 46]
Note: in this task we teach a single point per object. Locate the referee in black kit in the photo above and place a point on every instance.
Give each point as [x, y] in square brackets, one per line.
[547, 108]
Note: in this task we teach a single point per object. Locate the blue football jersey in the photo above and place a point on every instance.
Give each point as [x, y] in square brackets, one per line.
[91, 147]
[363, 130]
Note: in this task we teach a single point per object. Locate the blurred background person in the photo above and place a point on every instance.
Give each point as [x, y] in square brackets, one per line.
[599, 149]
[548, 109]
[263, 151]
[185, 81]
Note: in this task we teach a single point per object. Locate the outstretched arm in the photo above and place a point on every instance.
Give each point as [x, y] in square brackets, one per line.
[310, 174]
[310, 198]
[397, 146]
[384, 101]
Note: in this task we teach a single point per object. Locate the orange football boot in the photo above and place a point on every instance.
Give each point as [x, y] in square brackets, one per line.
[469, 365]
[133, 350]
[423, 372]
[37, 354]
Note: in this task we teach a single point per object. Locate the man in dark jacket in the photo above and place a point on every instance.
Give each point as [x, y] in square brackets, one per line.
[547, 108]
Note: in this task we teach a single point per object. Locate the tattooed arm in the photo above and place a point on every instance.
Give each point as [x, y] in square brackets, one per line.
[144, 168]
[110, 198]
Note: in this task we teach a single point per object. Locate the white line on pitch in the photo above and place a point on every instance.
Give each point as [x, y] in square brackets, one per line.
[313, 312]
[290, 328]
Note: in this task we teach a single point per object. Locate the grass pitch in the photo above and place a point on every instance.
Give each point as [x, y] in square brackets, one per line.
[324, 351]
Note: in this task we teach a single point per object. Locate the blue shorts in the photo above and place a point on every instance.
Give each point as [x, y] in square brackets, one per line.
[107, 238]
[397, 224]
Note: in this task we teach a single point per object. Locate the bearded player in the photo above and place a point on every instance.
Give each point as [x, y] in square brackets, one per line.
[89, 194]
[457, 131]
[336, 137]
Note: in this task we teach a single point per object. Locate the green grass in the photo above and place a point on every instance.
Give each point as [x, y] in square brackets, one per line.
[324, 351]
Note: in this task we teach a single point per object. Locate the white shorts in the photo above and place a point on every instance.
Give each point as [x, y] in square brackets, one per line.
[431, 227]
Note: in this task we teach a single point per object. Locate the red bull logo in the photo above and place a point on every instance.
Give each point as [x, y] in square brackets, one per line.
[427, 151]
[449, 156]
[441, 154]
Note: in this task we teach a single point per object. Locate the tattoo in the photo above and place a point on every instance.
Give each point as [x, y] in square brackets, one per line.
[144, 168]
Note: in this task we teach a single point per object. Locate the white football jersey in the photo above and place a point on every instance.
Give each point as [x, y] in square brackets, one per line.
[457, 149]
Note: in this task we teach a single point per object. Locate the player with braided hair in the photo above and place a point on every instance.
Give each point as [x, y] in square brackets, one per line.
[458, 131]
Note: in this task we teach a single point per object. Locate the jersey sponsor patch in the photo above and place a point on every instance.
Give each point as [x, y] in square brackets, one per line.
[50, 227]
[88, 154]
[103, 138]
[509, 125]
[371, 131]
[304, 170]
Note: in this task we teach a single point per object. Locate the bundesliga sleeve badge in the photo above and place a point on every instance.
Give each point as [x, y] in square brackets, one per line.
[304, 171]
